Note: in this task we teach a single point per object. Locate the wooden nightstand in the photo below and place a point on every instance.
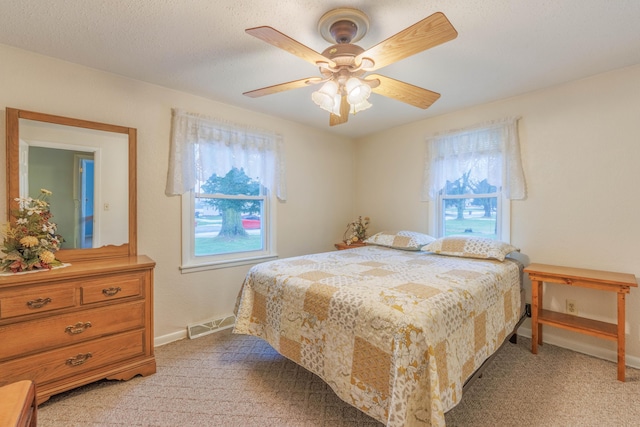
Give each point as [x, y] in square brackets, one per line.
[620, 283]
[18, 405]
[342, 245]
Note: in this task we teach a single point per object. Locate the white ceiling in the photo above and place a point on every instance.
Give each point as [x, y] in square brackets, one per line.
[504, 47]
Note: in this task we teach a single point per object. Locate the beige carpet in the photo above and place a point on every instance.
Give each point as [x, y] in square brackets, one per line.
[235, 380]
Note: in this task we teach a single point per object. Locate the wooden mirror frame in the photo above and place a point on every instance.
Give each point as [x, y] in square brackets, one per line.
[13, 117]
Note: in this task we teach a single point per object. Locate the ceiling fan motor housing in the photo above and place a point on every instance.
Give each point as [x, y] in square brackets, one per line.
[343, 31]
[342, 52]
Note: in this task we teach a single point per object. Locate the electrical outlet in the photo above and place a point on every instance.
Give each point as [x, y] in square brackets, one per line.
[572, 307]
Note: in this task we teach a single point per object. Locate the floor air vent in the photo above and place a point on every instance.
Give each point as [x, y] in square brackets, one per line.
[210, 326]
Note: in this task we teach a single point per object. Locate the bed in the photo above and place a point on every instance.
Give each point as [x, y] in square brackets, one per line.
[394, 332]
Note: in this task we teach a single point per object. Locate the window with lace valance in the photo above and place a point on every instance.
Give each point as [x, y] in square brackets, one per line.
[229, 177]
[470, 174]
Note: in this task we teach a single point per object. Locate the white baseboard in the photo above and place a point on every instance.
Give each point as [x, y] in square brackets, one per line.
[166, 339]
[591, 350]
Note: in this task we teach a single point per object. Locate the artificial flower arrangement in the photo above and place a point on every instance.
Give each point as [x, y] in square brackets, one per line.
[356, 231]
[30, 243]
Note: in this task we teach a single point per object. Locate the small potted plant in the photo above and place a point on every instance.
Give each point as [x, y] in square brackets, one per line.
[31, 240]
[356, 231]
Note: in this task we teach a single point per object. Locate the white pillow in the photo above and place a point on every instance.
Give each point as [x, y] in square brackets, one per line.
[405, 240]
[470, 247]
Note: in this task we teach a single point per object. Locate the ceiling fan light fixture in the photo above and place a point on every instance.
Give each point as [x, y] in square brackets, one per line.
[357, 91]
[361, 106]
[325, 97]
[329, 96]
[325, 102]
[337, 101]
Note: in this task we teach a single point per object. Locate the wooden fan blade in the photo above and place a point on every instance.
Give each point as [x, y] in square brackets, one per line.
[431, 31]
[269, 90]
[277, 39]
[405, 92]
[334, 119]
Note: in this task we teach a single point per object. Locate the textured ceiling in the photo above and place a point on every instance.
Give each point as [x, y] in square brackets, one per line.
[504, 47]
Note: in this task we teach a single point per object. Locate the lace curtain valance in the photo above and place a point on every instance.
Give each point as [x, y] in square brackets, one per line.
[490, 150]
[202, 146]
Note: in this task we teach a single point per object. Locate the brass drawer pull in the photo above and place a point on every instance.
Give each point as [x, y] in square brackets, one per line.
[79, 359]
[111, 291]
[38, 303]
[78, 328]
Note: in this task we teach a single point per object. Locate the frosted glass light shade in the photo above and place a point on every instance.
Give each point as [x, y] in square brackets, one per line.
[325, 98]
[361, 106]
[357, 91]
[337, 100]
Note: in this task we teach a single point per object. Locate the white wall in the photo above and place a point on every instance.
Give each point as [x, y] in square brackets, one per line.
[581, 155]
[320, 180]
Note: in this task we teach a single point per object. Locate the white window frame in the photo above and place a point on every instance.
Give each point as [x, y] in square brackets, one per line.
[503, 211]
[192, 263]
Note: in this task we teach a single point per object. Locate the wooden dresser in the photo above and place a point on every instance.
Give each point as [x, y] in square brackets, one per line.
[74, 325]
[18, 406]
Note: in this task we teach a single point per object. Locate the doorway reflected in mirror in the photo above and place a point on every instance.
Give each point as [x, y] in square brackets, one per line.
[70, 176]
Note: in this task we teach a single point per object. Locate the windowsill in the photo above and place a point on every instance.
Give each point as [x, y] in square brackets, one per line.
[195, 268]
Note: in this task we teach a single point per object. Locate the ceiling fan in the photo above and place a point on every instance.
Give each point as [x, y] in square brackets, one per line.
[343, 65]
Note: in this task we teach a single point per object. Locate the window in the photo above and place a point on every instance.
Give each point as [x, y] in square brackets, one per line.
[230, 217]
[229, 178]
[228, 220]
[470, 176]
[469, 207]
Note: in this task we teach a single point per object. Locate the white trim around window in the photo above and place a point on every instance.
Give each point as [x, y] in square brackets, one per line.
[192, 263]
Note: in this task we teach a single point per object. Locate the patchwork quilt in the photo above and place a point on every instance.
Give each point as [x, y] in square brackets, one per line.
[394, 333]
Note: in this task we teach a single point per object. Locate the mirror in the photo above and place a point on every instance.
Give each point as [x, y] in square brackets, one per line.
[89, 167]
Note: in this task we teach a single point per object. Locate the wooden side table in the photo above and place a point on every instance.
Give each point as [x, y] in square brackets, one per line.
[620, 283]
[342, 245]
[18, 405]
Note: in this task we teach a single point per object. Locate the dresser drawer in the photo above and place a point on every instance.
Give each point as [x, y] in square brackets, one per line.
[37, 300]
[74, 359]
[112, 288]
[22, 338]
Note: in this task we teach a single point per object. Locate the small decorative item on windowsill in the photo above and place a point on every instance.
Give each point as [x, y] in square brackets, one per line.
[31, 241]
[356, 231]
